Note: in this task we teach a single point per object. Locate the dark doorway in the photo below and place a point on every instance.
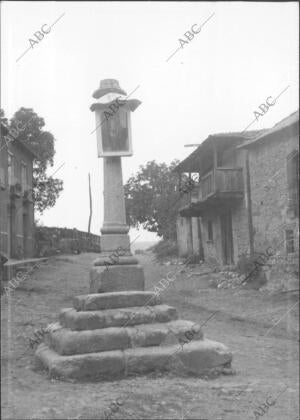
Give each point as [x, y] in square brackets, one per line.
[25, 234]
[227, 241]
[201, 250]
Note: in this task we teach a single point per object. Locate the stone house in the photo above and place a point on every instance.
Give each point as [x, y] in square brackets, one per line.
[274, 185]
[16, 204]
[245, 195]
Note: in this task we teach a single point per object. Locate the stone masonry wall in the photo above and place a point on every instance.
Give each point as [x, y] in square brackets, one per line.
[269, 192]
[17, 208]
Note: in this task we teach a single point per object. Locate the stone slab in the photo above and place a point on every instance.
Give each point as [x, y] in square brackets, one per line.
[117, 278]
[98, 301]
[109, 260]
[162, 334]
[92, 366]
[67, 342]
[90, 320]
[194, 358]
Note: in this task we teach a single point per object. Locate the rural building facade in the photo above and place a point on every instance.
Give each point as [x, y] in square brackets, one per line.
[16, 204]
[246, 194]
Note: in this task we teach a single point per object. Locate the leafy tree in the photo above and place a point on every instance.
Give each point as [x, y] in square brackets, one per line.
[46, 189]
[152, 199]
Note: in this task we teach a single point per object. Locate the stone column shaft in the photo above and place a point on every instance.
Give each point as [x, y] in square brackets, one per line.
[114, 202]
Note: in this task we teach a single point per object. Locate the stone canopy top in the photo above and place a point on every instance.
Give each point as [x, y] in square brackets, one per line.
[121, 100]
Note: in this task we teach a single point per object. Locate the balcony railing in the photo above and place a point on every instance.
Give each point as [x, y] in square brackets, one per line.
[219, 181]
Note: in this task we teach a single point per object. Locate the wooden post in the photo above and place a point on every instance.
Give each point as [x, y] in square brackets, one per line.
[215, 165]
[249, 207]
[91, 208]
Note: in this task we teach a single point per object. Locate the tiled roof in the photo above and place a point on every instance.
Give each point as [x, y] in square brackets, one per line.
[190, 161]
[245, 134]
[281, 125]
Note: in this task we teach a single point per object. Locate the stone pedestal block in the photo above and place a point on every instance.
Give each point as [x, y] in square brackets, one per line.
[110, 242]
[116, 278]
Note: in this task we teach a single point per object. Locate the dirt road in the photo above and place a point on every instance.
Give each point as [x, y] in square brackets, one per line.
[265, 352]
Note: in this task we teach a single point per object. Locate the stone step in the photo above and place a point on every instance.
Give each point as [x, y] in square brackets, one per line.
[196, 358]
[98, 301]
[91, 320]
[67, 342]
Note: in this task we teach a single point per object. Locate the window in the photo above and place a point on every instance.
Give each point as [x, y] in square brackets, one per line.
[210, 230]
[293, 181]
[289, 241]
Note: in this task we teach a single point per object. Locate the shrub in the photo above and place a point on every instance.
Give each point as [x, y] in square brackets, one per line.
[139, 252]
[250, 267]
[165, 249]
[193, 259]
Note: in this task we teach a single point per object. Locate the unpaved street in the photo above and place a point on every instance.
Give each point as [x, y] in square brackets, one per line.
[265, 352]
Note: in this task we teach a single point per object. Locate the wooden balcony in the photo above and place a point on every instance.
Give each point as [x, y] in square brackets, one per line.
[218, 186]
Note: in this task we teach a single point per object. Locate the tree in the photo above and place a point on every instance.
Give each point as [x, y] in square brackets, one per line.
[152, 199]
[29, 128]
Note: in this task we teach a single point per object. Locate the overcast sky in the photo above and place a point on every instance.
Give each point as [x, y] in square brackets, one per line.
[245, 53]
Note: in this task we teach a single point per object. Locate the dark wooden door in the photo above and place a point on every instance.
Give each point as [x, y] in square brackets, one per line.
[227, 241]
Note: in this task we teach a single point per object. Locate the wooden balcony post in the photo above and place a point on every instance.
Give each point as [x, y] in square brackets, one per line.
[215, 165]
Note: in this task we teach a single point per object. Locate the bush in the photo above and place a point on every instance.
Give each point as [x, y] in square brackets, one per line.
[251, 268]
[245, 264]
[193, 259]
[165, 249]
[139, 252]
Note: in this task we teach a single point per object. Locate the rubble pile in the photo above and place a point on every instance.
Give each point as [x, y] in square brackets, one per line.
[226, 279]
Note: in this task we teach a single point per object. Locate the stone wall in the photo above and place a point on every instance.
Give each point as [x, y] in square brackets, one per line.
[269, 192]
[53, 240]
[17, 236]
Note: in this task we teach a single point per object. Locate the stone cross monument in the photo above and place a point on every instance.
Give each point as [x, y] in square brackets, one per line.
[119, 329]
[115, 269]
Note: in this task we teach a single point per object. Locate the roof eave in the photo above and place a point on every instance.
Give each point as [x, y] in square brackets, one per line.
[265, 136]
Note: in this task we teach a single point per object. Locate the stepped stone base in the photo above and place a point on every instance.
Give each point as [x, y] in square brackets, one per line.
[118, 334]
[195, 358]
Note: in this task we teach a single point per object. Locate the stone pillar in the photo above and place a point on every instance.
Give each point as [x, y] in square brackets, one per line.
[114, 230]
[115, 269]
